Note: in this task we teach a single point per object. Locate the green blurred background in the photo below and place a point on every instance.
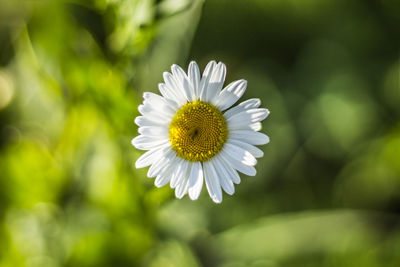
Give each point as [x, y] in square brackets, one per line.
[327, 192]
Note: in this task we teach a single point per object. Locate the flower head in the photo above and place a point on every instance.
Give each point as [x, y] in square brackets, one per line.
[191, 138]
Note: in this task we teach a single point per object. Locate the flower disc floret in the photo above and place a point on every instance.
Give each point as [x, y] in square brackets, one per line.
[198, 131]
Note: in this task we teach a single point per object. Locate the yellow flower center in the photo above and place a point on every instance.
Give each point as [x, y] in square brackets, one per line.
[198, 131]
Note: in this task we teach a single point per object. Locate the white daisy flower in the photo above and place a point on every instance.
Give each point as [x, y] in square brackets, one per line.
[191, 138]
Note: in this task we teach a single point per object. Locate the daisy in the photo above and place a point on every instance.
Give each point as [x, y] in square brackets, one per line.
[191, 136]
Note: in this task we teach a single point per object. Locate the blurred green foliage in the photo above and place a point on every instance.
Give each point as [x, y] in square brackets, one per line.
[327, 191]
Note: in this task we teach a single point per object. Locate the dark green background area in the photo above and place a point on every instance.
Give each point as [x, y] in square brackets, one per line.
[326, 193]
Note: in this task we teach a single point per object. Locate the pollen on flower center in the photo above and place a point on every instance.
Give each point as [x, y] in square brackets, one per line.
[198, 131]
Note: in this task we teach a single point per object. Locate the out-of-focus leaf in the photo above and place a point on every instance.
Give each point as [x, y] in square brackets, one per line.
[171, 254]
[306, 237]
[373, 177]
[171, 45]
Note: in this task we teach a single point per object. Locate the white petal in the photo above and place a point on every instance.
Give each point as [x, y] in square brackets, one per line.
[143, 142]
[231, 171]
[239, 154]
[153, 97]
[252, 126]
[248, 116]
[224, 177]
[179, 174]
[156, 99]
[194, 78]
[156, 167]
[208, 71]
[216, 82]
[251, 103]
[145, 121]
[212, 182]
[255, 151]
[183, 81]
[162, 163]
[182, 187]
[248, 104]
[195, 180]
[154, 131]
[163, 178]
[154, 114]
[248, 136]
[168, 93]
[149, 157]
[159, 103]
[160, 119]
[231, 94]
[171, 83]
[174, 177]
[243, 168]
